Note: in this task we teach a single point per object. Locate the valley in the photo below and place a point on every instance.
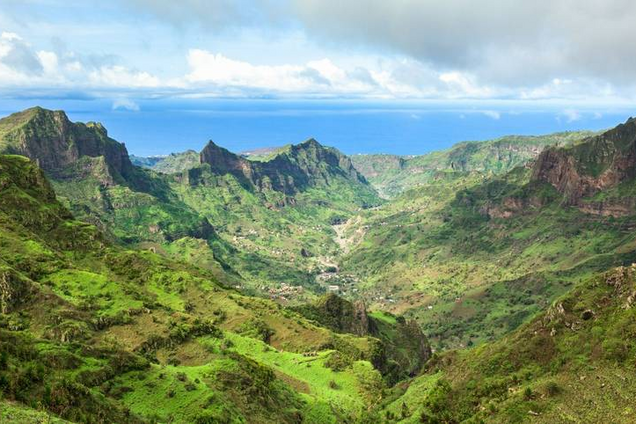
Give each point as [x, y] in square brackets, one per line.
[483, 283]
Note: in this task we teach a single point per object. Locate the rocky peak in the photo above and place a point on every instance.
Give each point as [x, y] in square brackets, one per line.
[223, 161]
[291, 170]
[595, 164]
[55, 143]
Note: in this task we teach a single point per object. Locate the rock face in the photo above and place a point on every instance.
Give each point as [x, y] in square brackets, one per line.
[290, 171]
[55, 143]
[596, 164]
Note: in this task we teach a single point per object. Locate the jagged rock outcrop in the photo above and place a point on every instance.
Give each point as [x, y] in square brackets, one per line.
[60, 147]
[596, 164]
[293, 169]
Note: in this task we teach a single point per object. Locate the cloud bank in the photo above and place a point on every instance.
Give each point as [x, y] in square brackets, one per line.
[455, 49]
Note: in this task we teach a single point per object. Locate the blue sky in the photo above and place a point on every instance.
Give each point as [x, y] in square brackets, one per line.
[505, 62]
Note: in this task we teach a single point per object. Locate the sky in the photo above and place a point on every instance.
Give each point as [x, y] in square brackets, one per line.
[492, 57]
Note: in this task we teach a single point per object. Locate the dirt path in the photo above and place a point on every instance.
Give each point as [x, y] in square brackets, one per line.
[347, 242]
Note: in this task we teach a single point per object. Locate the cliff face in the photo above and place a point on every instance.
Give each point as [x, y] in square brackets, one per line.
[594, 165]
[290, 171]
[55, 143]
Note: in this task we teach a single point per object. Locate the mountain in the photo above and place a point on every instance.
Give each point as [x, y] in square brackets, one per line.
[499, 286]
[94, 176]
[170, 164]
[57, 145]
[206, 208]
[598, 165]
[146, 162]
[289, 170]
[262, 153]
[392, 175]
[280, 211]
[472, 256]
[571, 363]
[94, 332]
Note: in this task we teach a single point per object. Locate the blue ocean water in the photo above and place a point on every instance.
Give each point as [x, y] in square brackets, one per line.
[361, 126]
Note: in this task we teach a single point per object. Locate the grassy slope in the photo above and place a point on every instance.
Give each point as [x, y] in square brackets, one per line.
[468, 277]
[572, 363]
[129, 336]
[477, 278]
[271, 229]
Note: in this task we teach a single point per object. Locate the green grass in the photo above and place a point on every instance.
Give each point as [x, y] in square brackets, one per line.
[11, 412]
[560, 367]
[310, 372]
[83, 287]
[92, 331]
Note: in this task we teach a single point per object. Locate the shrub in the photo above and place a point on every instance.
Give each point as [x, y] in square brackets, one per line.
[552, 388]
[527, 394]
[338, 362]
[257, 329]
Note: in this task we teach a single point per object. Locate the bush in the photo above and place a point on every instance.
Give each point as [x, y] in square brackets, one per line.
[552, 388]
[338, 362]
[527, 394]
[257, 329]
[615, 349]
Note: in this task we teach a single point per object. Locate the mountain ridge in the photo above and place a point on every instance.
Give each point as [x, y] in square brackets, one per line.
[54, 142]
[596, 164]
[393, 175]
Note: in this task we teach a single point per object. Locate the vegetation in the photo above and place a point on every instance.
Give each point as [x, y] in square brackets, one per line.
[90, 331]
[572, 363]
[393, 175]
[193, 289]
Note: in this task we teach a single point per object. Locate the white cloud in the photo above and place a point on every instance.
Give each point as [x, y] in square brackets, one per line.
[508, 43]
[216, 74]
[17, 61]
[119, 76]
[572, 115]
[491, 114]
[465, 85]
[315, 77]
[125, 104]
[22, 66]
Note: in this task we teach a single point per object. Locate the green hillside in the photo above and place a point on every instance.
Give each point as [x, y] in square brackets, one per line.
[573, 363]
[392, 175]
[260, 226]
[490, 251]
[494, 284]
[94, 332]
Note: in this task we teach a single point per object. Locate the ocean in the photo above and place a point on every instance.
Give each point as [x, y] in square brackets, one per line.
[164, 126]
